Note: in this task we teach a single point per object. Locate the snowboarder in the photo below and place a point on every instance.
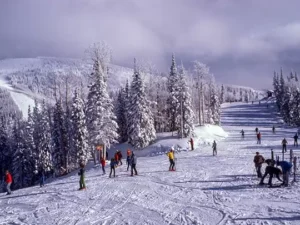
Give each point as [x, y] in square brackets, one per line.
[214, 147]
[42, 177]
[191, 141]
[258, 138]
[128, 161]
[271, 170]
[286, 168]
[258, 161]
[8, 181]
[171, 159]
[296, 140]
[81, 174]
[133, 164]
[284, 143]
[113, 164]
[102, 161]
[120, 157]
[243, 133]
[273, 129]
[256, 130]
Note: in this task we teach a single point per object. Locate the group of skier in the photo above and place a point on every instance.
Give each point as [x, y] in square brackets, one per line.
[114, 162]
[271, 170]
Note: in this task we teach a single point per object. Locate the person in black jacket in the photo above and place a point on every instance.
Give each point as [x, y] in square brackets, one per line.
[81, 174]
[133, 164]
[42, 177]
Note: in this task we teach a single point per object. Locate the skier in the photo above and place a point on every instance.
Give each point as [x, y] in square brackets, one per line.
[214, 147]
[116, 158]
[113, 164]
[296, 140]
[284, 143]
[81, 174]
[273, 129]
[258, 161]
[256, 130]
[271, 170]
[120, 157]
[8, 180]
[243, 133]
[42, 177]
[258, 138]
[133, 164]
[286, 168]
[128, 161]
[191, 141]
[102, 161]
[170, 154]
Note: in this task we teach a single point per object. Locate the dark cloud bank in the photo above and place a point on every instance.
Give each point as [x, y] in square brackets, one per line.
[242, 41]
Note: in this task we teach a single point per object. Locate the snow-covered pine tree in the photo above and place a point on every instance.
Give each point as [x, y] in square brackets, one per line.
[44, 161]
[23, 165]
[173, 101]
[80, 150]
[30, 145]
[121, 116]
[285, 107]
[222, 96]
[59, 138]
[5, 156]
[101, 120]
[141, 130]
[185, 115]
[215, 105]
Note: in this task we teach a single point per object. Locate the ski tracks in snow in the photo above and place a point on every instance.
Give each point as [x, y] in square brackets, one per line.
[219, 190]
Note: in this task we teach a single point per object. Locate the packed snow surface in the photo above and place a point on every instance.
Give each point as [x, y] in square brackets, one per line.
[203, 190]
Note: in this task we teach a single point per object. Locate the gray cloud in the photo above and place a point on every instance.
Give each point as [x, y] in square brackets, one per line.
[240, 40]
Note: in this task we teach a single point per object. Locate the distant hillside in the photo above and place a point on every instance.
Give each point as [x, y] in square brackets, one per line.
[29, 78]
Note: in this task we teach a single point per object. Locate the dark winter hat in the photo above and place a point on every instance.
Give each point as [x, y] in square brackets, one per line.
[257, 153]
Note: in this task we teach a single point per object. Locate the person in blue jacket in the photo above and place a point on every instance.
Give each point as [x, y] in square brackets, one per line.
[113, 164]
[286, 168]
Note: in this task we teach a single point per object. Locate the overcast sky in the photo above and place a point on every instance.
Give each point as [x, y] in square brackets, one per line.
[242, 41]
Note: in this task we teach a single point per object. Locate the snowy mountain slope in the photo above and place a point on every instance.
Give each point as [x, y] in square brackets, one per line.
[203, 190]
[30, 78]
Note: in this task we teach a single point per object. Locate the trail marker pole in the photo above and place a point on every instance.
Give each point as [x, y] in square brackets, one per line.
[295, 168]
[291, 155]
[272, 154]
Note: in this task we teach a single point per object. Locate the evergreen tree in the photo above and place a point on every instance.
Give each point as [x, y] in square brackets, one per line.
[215, 105]
[23, 166]
[173, 101]
[59, 138]
[222, 97]
[80, 150]
[121, 116]
[44, 160]
[5, 156]
[141, 123]
[185, 115]
[101, 123]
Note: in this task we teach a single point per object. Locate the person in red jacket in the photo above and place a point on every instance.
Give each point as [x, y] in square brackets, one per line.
[102, 161]
[117, 158]
[8, 180]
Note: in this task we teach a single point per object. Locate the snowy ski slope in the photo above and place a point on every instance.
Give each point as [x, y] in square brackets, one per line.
[203, 190]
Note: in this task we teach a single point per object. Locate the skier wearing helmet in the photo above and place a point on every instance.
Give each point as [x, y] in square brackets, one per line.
[171, 159]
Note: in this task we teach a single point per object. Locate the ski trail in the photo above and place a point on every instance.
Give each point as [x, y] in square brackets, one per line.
[204, 190]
